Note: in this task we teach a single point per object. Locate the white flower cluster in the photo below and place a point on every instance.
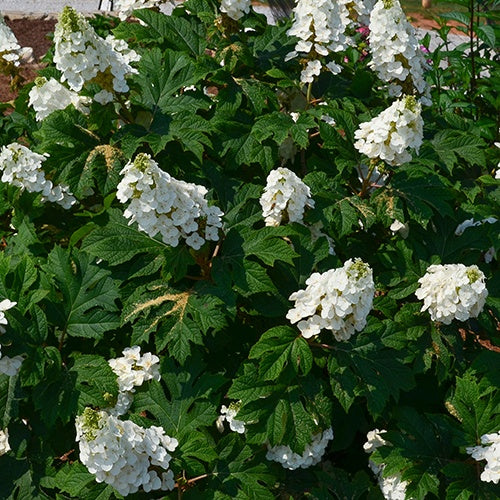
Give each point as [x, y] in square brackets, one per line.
[229, 414]
[132, 371]
[392, 487]
[392, 132]
[320, 26]
[4, 442]
[161, 204]
[285, 197]
[22, 167]
[338, 300]
[126, 7]
[452, 291]
[123, 454]
[235, 9]
[310, 456]
[82, 56]
[491, 453]
[47, 96]
[10, 50]
[396, 53]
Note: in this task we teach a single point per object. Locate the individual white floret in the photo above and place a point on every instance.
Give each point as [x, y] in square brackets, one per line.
[362, 10]
[312, 69]
[400, 227]
[390, 134]
[228, 414]
[4, 442]
[396, 54]
[235, 9]
[82, 56]
[490, 451]
[22, 167]
[163, 205]
[285, 198]
[125, 8]
[311, 455]
[47, 96]
[452, 291]
[471, 223]
[338, 300]
[124, 454]
[392, 487]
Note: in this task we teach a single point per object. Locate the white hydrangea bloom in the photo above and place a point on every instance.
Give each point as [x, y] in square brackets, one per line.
[491, 453]
[320, 26]
[133, 370]
[392, 132]
[47, 96]
[4, 442]
[126, 7]
[338, 300]
[311, 455]
[22, 167]
[161, 204]
[10, 50]
[285, 198]
[452, 291]
[82, 56]
[235, 9]
[123, 454]
[395, 49]
[392, 487]
[229, 414]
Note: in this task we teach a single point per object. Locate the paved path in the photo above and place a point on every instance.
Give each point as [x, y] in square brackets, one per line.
[43, 7]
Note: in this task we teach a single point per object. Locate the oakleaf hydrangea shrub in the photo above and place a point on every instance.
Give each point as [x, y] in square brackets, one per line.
[232, 248]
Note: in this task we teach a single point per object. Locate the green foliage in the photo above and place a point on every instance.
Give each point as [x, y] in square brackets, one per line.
[215, 102]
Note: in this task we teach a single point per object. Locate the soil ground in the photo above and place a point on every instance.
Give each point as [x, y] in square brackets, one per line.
[34, 33]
